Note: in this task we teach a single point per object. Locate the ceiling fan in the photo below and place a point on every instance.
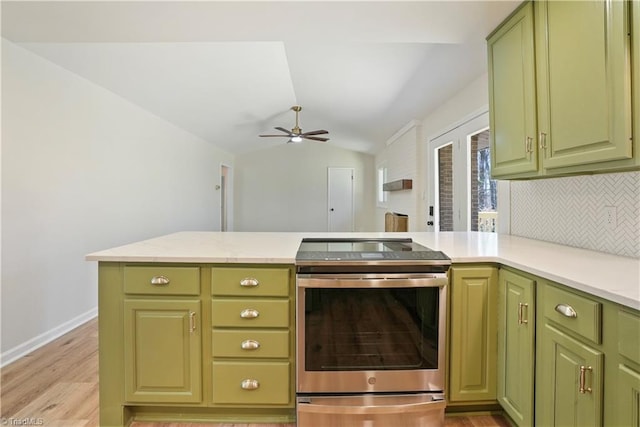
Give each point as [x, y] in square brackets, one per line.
[296, 134]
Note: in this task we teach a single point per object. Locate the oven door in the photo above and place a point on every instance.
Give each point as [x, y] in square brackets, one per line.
[371, 333]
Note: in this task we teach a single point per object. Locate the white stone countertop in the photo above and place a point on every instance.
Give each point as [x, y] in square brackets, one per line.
[611, 277]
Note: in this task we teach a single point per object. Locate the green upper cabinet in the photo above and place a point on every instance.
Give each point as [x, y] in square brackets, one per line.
[584, 82]
[516, 346]
[512, 102]
[570, 62]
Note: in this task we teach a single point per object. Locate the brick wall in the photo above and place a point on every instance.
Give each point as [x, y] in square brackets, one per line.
[445, 196]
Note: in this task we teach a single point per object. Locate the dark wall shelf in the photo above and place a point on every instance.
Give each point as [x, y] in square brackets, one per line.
[401, 184]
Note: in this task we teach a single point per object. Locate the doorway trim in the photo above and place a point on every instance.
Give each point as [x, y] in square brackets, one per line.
[225, 187]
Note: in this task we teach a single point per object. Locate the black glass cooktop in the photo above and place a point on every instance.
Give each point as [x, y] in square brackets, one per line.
[381, 249]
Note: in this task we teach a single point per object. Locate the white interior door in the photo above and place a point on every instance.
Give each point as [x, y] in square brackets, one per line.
[340, 199]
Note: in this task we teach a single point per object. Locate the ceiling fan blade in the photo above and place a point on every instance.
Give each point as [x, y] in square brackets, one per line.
[276, 136]
[316, 132]
[314, 138]
[287, 131]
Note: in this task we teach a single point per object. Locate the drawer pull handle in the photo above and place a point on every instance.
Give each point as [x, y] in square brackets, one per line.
[250, 384]
[583, 373]
[521, 318]
[566, 310]
[160, 280]
[249, 282]
[250, 345]
[249, 313]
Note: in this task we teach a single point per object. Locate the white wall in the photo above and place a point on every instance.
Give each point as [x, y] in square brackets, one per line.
[284, 188]
[84, 170]
[468, 102]
[400, 158]
[404, 159]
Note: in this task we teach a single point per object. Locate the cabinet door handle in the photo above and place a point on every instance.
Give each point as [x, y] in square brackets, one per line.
[543, 141]
[250, 384]
[249, 313]
[528, 144]
[160, 280]
[192, 322]
[250, 345]
[566, 310]
[249, 282]
[583, 373]
[521, 319]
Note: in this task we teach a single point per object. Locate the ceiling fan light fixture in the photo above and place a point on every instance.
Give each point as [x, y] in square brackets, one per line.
[296, 134]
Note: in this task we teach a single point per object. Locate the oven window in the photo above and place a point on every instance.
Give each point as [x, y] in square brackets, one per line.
[371, 329]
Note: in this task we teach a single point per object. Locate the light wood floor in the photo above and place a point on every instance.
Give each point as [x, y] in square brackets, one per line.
[57, 386]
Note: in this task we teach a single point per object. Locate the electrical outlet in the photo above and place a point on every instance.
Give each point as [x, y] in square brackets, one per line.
[610, 217]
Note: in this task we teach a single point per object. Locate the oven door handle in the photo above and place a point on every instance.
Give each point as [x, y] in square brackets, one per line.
[426, 281]
[337, 406]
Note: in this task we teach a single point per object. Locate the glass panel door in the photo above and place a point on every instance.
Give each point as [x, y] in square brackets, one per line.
[484, 192]
[462, 195]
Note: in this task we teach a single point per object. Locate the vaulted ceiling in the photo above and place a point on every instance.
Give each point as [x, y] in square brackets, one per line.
[227, 71]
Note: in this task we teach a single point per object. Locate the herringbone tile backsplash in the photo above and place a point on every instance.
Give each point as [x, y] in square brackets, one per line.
[571, 211]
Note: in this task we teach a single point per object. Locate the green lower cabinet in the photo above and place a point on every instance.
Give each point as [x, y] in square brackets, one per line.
[516, 346]
[473, 323]
[570, 381]
[251, 383]
[162, 351]
[628, 384]
[628, 396]
[250, 343]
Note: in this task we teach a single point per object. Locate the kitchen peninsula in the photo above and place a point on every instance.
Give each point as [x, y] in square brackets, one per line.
[163, 343]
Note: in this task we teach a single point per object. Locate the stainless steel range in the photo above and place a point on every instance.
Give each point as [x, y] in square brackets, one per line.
[371, 333]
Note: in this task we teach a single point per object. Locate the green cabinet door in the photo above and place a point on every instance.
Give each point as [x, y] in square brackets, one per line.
[473, 323]
[516, 341]
[162, 350]
[584, 82]
[569, 380]
[628, 396]
[512, 95]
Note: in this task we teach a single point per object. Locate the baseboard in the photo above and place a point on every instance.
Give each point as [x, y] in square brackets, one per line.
[35, 343]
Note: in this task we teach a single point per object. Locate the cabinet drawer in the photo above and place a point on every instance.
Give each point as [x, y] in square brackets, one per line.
[250, 313]
[573, 312]
[629, 335]
[250, 343]
[263, 383]
[159, 280]
[250, 281]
